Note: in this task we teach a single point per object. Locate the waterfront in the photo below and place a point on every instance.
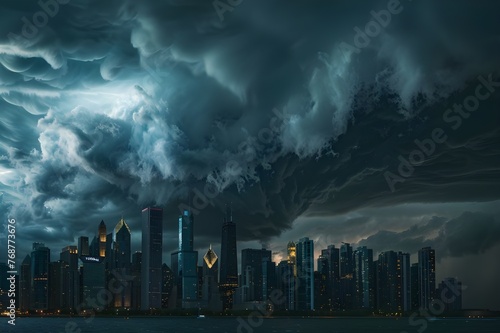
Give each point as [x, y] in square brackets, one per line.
[230, 325]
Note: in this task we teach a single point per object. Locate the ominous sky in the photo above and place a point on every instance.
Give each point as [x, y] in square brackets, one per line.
[337, 120]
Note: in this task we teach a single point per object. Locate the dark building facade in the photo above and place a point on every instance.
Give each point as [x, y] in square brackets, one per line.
[305, 274]
[252, 274]
[363, 278]
[426, 276]
[122, 264]
[152, 249]
[228, 261]
[40, 258]
[184, 263]
[69, 255]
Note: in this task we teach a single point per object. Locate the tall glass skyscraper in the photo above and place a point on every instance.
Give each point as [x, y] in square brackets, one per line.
[426, 276]
[83, 246]
[93, 282]
[152, 247]
[305, 272]
[346, 277]
[332, 255]
[40, 258]
[228, 261]
[393, 282]
[363, 278]
[122, 257]
[184, 263]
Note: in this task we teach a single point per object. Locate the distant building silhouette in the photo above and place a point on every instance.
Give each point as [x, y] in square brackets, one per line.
[152, 248]
[69, 254]
[122, 265]
[210, 292]
[426, 276]
[347, 298]
[393, 279]
[40, 258]
[252, 274]
[228, 261]
[25, 284]
[93, 280]
[305, 273]
[136, 282]
[184, 263]
[83, 246]
[364, 278]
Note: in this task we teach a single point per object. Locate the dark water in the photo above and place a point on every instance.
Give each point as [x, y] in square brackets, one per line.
[243, 325]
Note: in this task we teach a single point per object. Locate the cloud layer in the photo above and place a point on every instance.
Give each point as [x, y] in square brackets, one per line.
[112, 106]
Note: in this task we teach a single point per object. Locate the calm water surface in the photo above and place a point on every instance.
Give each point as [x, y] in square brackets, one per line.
[222, 325]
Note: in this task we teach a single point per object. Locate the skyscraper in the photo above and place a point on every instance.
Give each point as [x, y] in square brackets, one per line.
[93, 282]
[252, 273]
[136, 282]
[346, 298]
[228, 261]
[184, 263]
[83, 246]
[332, 256]
[415, 295]
[291, 250]
[152, 246]
[426, 276]
[167, 286]
[25, 284]
[58, 285]
[305, 274]
[102, 239]
[211, 295]
[387, 282]
[321, 284]
[40, 258]
[268, 277]
[405, 277]
[122, 263]
[363, 278]
[69, 254]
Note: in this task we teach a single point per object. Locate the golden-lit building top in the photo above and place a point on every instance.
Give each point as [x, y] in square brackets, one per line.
[121, 224]
[210, 257]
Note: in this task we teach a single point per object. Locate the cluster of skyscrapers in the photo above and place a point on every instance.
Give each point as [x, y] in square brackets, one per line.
[105, 274]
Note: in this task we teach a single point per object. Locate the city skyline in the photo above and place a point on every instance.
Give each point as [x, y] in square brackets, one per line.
[368, 123]
[354, 262]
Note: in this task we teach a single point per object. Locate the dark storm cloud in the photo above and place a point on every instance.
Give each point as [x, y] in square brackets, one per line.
[119, 104]
[471, 233]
